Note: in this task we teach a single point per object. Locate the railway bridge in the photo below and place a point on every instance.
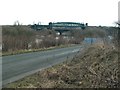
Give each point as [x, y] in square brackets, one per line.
[66, 26]
[60, 26]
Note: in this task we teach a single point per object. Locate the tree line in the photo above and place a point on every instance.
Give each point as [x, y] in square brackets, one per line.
[21, 37]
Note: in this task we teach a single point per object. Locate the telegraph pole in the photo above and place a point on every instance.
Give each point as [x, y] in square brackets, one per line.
[119, 24]
[119, 13]
[119, 41]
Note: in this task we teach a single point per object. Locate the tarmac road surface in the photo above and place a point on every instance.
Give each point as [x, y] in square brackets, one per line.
[15, 67]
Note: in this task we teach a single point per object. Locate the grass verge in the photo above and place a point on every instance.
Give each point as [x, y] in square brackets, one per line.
[34, 50]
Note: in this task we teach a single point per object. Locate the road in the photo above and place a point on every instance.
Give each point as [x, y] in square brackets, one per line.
[15, 67]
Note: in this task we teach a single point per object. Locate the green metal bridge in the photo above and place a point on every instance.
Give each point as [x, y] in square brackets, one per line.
[67, 25]
[61, 26]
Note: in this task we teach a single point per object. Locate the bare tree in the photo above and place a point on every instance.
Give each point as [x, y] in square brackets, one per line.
[16, 37]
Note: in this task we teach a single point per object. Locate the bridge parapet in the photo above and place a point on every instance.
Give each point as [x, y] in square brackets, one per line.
[68, 25]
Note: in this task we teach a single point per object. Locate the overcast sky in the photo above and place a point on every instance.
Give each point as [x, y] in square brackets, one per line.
[93, 12]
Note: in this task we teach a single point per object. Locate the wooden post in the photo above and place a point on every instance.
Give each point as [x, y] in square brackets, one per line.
[119, 24]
